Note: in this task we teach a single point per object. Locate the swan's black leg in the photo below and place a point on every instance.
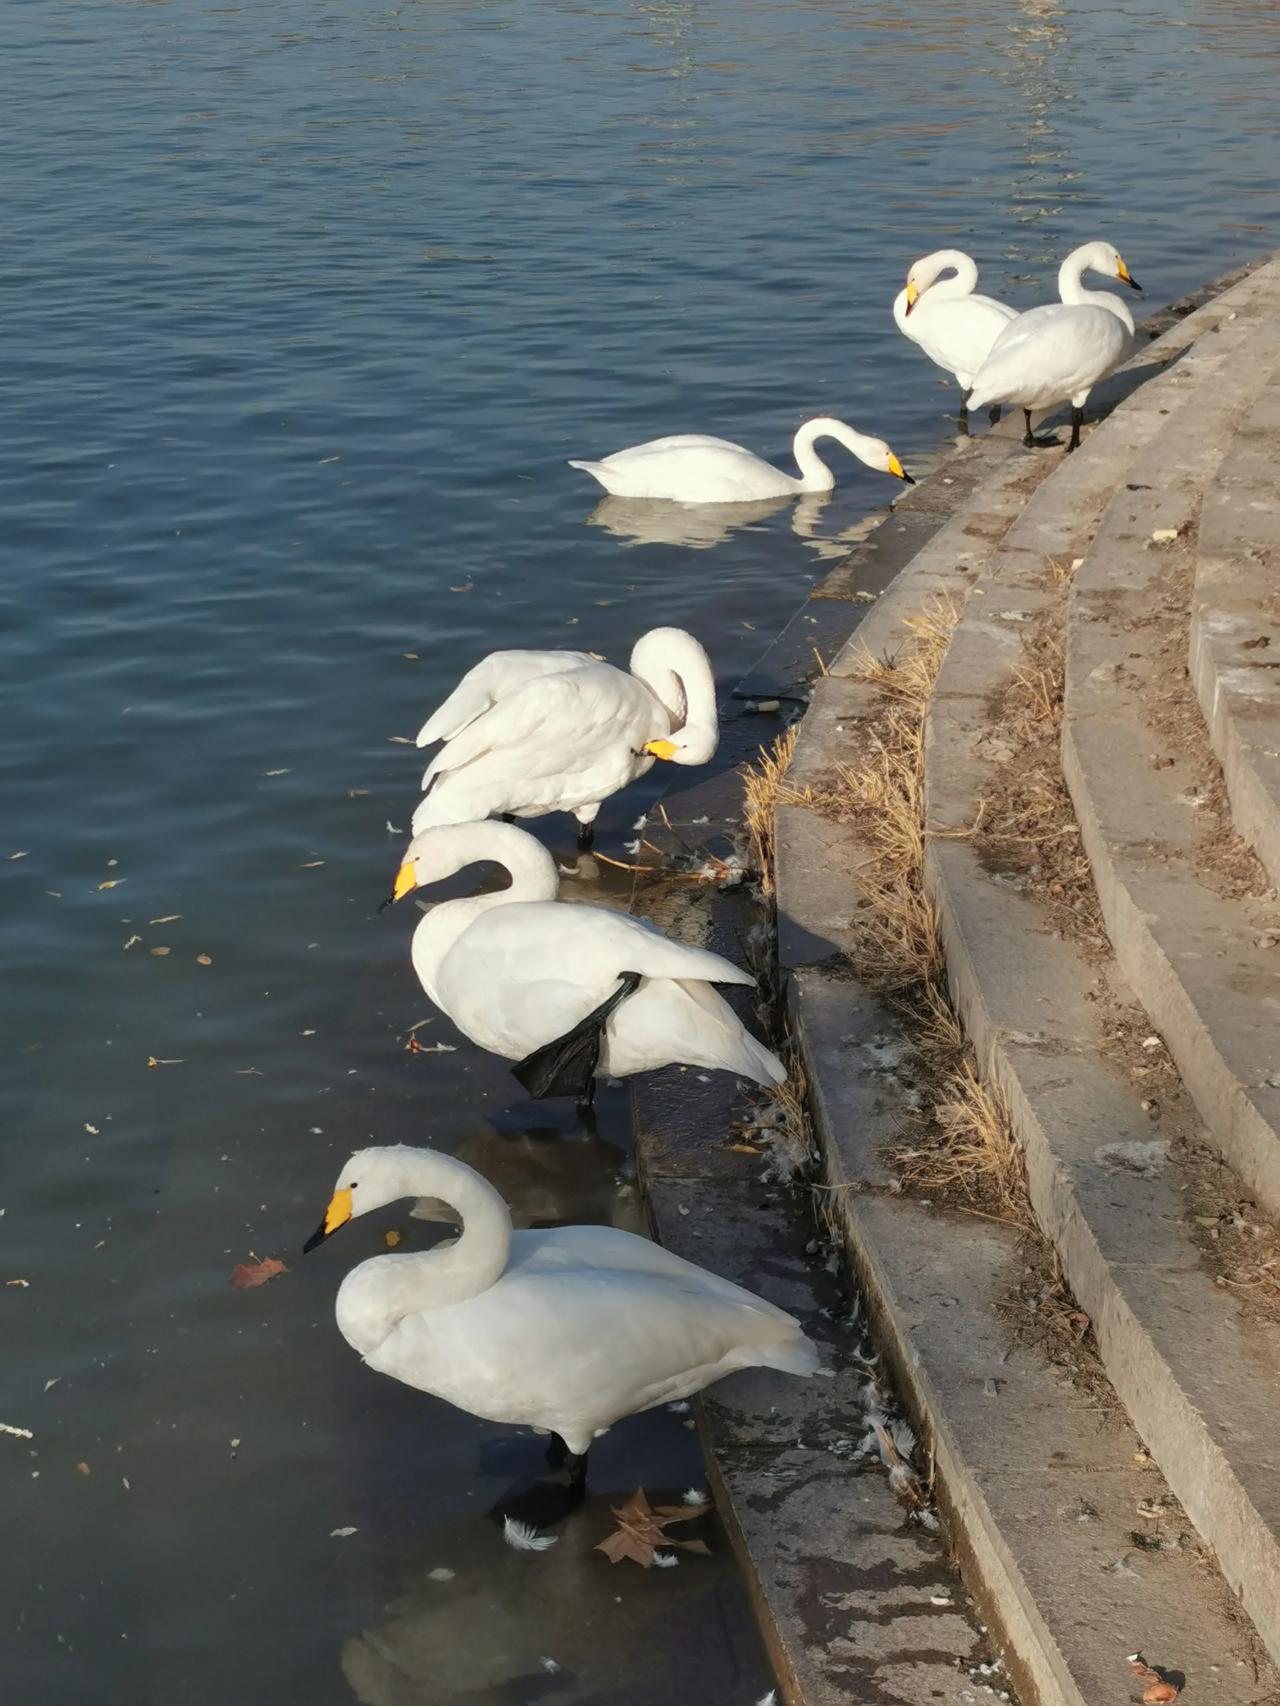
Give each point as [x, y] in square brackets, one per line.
[553, 1496]
[962, 420]
[507, 817]
[1028, 437]
[1077, 421]
[586, 835]
[566, 1066]
[993, 414]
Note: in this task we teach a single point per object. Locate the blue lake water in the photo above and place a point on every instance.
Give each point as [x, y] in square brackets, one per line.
[306, 307]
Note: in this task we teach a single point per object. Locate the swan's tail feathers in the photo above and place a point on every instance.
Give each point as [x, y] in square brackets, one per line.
[566, 1066]
[793, 1355]
[764, 1065]
[595, 469]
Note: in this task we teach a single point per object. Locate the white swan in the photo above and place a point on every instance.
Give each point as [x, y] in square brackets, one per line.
[568, 1329]
[1063, 349]
[528, 733]
[568, 992]
[952, 325]
[694, 469]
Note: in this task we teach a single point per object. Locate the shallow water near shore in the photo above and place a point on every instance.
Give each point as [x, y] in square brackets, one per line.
[307, 307]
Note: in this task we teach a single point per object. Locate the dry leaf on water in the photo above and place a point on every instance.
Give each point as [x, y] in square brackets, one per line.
[246, 1274]
[153, 1061]
[169, 917]
[641, 1526]
[158, 952]
[203, 960]
[111, 883]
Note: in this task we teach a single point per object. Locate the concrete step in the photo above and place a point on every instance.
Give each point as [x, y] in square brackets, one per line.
[1019, 1454]
[1182, 904]
[1235, 626]
[1109, 1184]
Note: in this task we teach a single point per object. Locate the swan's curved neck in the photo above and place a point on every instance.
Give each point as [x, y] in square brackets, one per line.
[676, 669]
[1071, 287]
[379, 1293]
[815, 476]
[963, 283]
[449, 848]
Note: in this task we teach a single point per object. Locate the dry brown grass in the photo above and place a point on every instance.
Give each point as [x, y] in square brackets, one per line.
[764, 787]
[961, 1145]
[778, 1126]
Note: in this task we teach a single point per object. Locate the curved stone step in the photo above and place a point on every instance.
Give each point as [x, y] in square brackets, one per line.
[1036, 1483]
[1104, 1178]
[1190, 941]
[1235, 626]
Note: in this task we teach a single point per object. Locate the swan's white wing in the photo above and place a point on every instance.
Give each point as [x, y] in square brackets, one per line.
[554, 719]
[526, 973]
[674, 441]
[1050, 353]
[958, 334]
[586, 1249]
[577, 1351]
[492, 679]
[667, 1022]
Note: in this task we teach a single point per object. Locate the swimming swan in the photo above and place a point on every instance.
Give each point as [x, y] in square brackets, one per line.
[568, 992]
[528, 733]
[952, 325]
[694, 469]
[1063, 349]
[568, 1329]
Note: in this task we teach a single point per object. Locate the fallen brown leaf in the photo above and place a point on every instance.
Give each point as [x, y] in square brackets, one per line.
[111, 883]
[412, 656]
[203, 960]
[83, 1468]
[158, 952]
[152, 1060]
[641, 1526]
[246, 1274]
[391, 1238]
[1158, 1693]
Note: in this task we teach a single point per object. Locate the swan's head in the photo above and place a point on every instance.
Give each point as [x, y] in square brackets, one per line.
[1104, 259]
[929, 268]
[371, 1179]
[690, 745]
[876, 454]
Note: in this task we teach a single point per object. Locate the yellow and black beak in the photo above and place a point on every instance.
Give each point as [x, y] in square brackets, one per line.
[913, 295]
[1125, 276]
[337, 1214]
[405, 883]
[898, 471]
[661, 748]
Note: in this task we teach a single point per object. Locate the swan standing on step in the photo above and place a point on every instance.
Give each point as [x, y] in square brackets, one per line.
[1062, 350]
[568, 992]
[694, 469]
[568, 1329]
[952, 325]
[528, 733]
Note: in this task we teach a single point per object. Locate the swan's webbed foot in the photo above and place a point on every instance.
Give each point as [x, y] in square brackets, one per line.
[567, 1065]
[993, 414]
[1077, 421]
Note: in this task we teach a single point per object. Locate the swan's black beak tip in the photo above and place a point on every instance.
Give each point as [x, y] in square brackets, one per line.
[384, 904]
[907, 478]
[317, 1237]
[1133, 284]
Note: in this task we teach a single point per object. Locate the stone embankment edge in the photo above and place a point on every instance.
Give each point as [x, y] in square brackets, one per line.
[992, 1569]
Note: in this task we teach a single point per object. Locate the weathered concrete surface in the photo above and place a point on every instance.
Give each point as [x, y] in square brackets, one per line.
[934, 1285]
[1190, 952]
[1235, 626]
[1031, 1006]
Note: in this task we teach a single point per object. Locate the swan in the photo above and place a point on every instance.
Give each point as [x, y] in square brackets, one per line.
[694, 469]
[528, 733]
[1064, 348]
[952, 325]
[566, 991]
[567, 1329]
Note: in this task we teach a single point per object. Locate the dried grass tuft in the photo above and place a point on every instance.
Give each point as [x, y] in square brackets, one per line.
[764, 788]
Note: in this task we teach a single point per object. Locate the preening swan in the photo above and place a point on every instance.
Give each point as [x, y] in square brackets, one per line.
[952, 325]
[568, 1329]
[568, 992]
[694, 469]
[1063, 349]
[528, 733]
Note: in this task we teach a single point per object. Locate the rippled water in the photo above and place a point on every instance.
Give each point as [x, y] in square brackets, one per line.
[306, 307]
